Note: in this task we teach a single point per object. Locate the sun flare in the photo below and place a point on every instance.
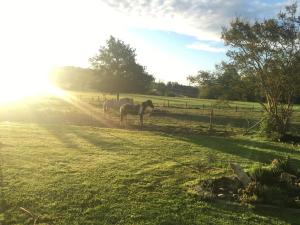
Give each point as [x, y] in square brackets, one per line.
[18, 85]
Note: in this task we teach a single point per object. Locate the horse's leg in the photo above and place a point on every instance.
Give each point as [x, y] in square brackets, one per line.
[141, 120]
[121, 118]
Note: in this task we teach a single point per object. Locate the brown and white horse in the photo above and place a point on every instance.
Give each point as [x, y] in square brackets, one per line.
[139, 109]
[115, 104]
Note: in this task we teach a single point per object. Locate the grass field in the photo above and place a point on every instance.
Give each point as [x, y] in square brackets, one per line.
[69, 164]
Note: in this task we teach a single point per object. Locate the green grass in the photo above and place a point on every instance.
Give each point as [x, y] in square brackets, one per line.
[70, 167]
[228, 113]
[178, 101]
[173, 101]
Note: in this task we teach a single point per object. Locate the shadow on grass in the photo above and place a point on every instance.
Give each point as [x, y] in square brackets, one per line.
[60, 133]
[289, 216]
[68, 134]
[114, 143]
[247, 149]
[217, 120]
[3, 203]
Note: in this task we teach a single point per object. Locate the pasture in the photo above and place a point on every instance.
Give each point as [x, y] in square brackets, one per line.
[67, 163]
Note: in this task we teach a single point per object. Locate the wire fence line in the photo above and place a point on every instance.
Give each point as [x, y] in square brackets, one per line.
[181, 104]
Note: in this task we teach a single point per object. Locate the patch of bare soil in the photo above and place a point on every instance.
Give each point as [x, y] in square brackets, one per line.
[222, 188]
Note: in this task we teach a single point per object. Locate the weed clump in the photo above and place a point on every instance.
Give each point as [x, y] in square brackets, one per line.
[276, 184]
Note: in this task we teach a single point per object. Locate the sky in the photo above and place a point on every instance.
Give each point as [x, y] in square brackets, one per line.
[172, 38]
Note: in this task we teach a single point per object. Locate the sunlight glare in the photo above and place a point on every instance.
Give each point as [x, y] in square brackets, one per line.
[18, 85]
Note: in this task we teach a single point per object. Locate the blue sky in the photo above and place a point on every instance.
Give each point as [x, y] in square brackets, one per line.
[173, 38]
[177, 45]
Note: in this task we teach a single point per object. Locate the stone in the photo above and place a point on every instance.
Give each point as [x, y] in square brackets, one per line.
[221, 195]
[241, 175]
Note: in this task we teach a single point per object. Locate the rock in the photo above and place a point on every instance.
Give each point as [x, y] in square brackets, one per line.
[241, 175]
[221, 195]
[288, 178]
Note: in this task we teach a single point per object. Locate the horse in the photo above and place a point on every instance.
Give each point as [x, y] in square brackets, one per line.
[139, 109]
[115, 104]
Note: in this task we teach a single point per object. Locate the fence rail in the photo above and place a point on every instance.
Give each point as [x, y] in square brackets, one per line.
[98, 100]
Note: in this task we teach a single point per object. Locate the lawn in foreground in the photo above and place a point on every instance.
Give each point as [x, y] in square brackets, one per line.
[90, 175]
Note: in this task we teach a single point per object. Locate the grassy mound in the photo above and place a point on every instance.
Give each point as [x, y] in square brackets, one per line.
[276, 184]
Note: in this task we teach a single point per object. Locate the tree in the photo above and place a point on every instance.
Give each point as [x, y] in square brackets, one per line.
[223, 83]
[268, 50]
[230, 82]
[118, 69]
[206, 81]
[73, 78]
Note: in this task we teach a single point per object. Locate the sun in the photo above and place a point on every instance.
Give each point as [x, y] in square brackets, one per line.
[16, 85]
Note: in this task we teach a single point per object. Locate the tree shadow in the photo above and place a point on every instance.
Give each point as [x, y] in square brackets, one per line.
[217, 120]
[228, 209]
[247, 149]
[250, 150]
[295, 128]
[290, 216]
[60, 133]
[3, 204]
[98, 140]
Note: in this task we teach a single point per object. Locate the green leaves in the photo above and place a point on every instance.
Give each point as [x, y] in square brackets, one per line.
[118, 69]
[269, 51]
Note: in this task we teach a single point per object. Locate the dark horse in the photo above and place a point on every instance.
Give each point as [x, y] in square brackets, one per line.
[140, 109]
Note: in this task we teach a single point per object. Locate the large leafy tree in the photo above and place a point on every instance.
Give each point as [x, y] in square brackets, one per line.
[118, 69]
[207, 83]
[223, 83]
[269, 51]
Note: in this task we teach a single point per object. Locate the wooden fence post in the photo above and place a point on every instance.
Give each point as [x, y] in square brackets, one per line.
[168, 103]
[211, 119]
[236, 108]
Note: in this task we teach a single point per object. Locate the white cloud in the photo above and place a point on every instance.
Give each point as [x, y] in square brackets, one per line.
[202, 19]
[206, 47]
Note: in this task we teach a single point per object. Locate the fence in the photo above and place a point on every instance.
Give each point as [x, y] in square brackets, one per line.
[98, 100]
[163, 102]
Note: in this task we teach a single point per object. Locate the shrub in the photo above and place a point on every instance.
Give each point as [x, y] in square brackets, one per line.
[264, 175]
[285, 165]
[250, 193]
[274, 184]
[269, 128]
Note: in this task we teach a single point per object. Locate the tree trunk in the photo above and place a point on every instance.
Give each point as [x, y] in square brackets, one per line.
[277, 119]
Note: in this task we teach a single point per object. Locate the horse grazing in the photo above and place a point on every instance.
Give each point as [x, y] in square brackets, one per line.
[115, 104]
[140, 109]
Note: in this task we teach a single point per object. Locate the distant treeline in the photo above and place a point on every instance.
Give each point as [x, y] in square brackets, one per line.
[228, 84]
[74, 78]
[173, 89]
[224, 83]
[83, 79]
